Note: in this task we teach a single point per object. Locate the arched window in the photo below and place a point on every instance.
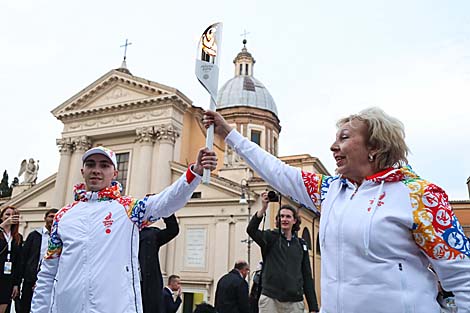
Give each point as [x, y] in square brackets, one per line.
[306, 237]
[318, 252]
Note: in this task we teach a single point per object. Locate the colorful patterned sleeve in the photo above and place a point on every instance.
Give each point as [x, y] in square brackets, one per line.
[54, 248]
[316, 187]
[439, 234]
[436, 228]
[152, 207]
[136, 211]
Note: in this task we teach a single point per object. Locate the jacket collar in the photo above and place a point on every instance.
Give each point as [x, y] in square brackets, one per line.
[393, 175]
[109, 193]
[388, 175]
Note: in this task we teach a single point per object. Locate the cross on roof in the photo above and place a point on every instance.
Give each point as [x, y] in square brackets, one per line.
[125, 48]
[244, 35]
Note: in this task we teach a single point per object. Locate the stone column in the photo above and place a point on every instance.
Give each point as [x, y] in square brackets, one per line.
[170, 257]
[65, 148]
[221, 257]
[141, 182]
[80, 145]
[161, 172]
[241, 241]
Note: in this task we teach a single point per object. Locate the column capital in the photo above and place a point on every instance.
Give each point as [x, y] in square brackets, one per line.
[166, 133]
[65, 145]
[145, 134]
[81, 143]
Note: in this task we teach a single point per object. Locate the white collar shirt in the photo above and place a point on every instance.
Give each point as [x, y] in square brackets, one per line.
[44, 242]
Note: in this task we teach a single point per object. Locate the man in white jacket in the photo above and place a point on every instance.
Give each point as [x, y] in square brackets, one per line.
[92, 260]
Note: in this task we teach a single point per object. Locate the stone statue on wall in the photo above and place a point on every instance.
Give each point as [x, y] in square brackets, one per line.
[30, 170]
[231, 158]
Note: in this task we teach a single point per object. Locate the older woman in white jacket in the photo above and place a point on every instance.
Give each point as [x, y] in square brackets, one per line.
[381, 225]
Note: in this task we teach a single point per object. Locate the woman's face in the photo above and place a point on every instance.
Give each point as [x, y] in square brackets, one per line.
[351, 152]
[7, 213]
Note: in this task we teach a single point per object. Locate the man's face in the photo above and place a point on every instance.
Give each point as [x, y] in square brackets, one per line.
[98, 172]
[245, 271]
[175, 284]
[49, 219]
[287, 220]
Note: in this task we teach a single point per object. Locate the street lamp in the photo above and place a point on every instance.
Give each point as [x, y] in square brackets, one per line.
[245, 200]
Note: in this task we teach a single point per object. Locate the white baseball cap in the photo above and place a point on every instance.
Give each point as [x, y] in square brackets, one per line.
[104, 151]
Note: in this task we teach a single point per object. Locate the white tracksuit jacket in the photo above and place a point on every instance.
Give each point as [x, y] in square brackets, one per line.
[377, 239]
[92, 261]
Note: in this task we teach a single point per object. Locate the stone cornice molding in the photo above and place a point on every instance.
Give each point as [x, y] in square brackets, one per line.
[65, 145]
[124, 106]
[145, 135]
[166, 133]
[81, 143]
[119, 81]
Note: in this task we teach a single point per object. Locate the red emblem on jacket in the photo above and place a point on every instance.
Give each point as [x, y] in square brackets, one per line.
[108, 222]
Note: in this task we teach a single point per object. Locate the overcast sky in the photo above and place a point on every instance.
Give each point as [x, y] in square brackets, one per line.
[321, 60]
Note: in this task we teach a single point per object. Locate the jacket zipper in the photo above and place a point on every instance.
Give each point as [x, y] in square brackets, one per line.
[339, 307]
[404, 288]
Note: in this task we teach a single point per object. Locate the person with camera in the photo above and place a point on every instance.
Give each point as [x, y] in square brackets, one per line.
[287, 274]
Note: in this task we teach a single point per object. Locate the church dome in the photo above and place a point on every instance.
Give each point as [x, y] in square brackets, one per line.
[244, 89]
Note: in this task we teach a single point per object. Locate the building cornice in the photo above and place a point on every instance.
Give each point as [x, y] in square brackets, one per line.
[153, 92]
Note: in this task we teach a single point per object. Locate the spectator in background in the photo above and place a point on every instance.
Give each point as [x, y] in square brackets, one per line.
[172, 295]
[34, 250]
[151, 239]
[204, 308]
[231, 295]
[10, 256]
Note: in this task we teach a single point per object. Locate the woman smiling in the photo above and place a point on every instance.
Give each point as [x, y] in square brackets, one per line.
[381, 224]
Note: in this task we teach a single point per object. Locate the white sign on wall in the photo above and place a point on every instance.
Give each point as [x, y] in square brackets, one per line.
[195, 250]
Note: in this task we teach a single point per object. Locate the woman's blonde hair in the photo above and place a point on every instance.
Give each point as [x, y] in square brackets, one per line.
[386, 134]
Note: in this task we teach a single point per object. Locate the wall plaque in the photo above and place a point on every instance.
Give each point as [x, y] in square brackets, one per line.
[195, 250]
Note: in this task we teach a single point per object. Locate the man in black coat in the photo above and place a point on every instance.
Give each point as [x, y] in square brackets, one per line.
[151, 239]
[34, 249]
[231, 295]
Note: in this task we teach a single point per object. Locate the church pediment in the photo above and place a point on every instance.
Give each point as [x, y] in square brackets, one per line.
[116, 94]
[116, 90]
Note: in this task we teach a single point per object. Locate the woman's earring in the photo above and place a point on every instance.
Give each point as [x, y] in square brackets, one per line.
[370, 158]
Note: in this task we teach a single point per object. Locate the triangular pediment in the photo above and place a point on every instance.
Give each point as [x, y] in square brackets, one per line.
[118, 93]
[116, 89]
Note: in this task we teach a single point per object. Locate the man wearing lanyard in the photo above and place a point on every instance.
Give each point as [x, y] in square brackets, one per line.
[34, 250]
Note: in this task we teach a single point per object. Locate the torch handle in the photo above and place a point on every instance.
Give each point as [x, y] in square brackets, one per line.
[206, 176]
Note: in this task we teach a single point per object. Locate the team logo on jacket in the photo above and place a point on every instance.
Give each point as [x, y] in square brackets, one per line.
[379, 202]
[108, 222]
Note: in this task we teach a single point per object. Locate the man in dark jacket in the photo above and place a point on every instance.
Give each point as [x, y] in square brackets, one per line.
[172, 295]
[151, 239]
[34, 249]
[287, 275]
[231, 295]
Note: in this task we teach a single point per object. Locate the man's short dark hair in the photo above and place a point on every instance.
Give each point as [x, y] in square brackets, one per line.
[295, 213]
[50, 211]
[171, 278]
[240, 265]
[204, 308]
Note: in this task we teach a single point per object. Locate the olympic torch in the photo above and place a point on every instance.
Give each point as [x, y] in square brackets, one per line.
[207, 72]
